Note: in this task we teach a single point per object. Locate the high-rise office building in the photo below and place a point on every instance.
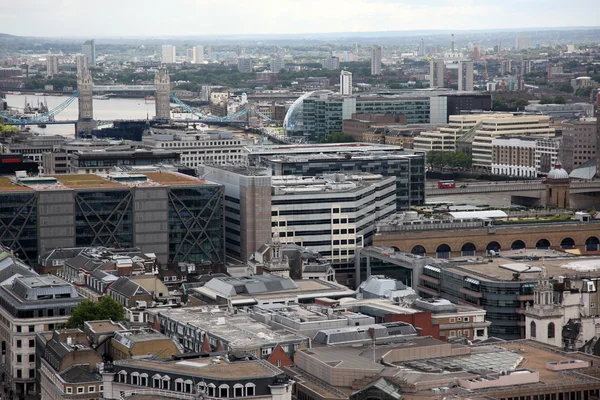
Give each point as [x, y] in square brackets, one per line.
[245, 65]
[209, 53]
[465, 76]
[332, 63]
[422, 48]
[51, 65]
[522, 42]
[476, 53]
[89, 49]
[277, 63]
[168, 54]
[436, 73]
[82, 64]
[376, 60]
[346, 83]
[198, 54]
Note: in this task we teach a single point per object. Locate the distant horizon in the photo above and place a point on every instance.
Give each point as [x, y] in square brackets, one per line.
[339, 34]
[209, 18]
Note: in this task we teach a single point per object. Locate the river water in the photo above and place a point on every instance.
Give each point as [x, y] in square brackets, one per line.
[104, 110]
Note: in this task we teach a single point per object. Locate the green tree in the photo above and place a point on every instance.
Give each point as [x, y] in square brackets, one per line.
[545, 100]
[337, 137]
[567, 88]
[559, 100]
[520, 104]
[88, 310]
[499, 105]
[7, 128]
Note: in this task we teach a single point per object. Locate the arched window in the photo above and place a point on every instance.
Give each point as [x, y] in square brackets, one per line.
[179, 385]
[211, 389]
[443, 251]
[592, 244]
[238, 390]
[135, 378]
[250, 389]
[518, 245]
[567, 243]
[156, 379]
[532, 328]
[542, 244]
[468, 249]
[166, 382]
[144, 379]
[224, 391]
[418, 250]
[123, 376]
[187, 386]
[492, 246]
[551, 330]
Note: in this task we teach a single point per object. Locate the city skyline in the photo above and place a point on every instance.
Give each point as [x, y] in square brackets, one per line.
[290, 17]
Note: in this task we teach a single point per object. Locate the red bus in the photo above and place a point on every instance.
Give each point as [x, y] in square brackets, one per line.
[446, 184]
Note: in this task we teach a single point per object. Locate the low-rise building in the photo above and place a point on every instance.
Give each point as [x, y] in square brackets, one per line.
[203, 329]
[30, 304]
[267, 289]
[105, 161]
[213, 376]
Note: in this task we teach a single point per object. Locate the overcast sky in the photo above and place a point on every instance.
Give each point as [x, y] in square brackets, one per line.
[101, 18]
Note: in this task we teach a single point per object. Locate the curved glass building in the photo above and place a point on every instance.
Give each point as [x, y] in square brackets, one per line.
[293, 123]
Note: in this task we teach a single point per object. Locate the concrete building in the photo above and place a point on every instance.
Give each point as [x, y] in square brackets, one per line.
[30, 304]
[376, 60]
[168, 54]
[199, 329]
[89, 49]
[199, 147]
[198, 54]
[266, 289]
[66, 364]
[209, 376]
[524, 156]
[248, 207]
[277, 63]
[360, 123]
[425, 367]
[332, 63]
[563, 111]
[244, 65]
[114, 201]
[346, 83]
[579, 143]
[497, 125]
[95, 162]
[465, 76]
[437, 73]
[82, 64]
[407, 166]
[51, 65]
[522, 43]
[163, 94]
[445, 138]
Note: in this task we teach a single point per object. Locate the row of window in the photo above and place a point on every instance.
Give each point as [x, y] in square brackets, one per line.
[186, 386]
[81, 389]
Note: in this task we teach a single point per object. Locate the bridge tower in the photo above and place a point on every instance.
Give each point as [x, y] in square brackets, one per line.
[85, 86]
[163, 91]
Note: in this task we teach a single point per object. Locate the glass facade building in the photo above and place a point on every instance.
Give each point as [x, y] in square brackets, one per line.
[407, 166]
[19, 223]
[196, 226]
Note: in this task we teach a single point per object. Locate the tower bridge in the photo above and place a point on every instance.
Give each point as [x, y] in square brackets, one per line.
[84, 95]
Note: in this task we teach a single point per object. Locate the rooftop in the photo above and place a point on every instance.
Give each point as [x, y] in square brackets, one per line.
[209, 367]
[239, 330]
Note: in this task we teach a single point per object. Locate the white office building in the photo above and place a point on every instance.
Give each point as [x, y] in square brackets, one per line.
[376, 60]
[198, 54]
[200, 147]
[346, 83]
[168, 54]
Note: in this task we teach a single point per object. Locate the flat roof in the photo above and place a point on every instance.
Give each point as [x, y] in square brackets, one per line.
[240, 330]
[104, 326]
[81, 181]
[171, 178]
[503, 268]
[6, 184]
